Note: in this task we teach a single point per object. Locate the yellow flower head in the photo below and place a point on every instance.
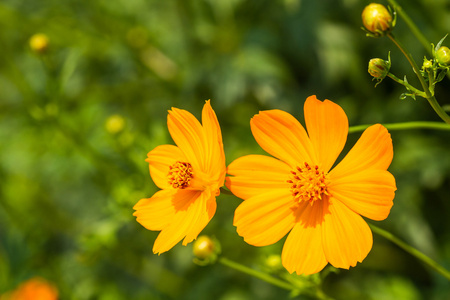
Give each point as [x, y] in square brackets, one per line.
[299, 193]
[189, 175]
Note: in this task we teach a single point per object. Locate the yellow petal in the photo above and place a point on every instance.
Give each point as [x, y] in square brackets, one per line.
[198, 225]
[327, 126]
[188, 210]
[347, 238]
[282, 136]
[373, 150]
[188, 134]
[156, 212]
[160, 159]
[214, 153]
[256, 174]
[368, 193]
[263, 220]
[303, 250]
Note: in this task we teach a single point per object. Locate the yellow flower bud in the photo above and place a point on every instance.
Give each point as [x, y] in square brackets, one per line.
[115, 124]
[377, 19]
[39, 43]
[443, 56]
[204, 247]
[273, 262]
[379, 68]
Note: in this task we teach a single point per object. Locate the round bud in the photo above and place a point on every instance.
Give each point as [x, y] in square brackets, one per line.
[204, 247]
[443, 56]
[115, 124]
[379, 68]
[377, 19]
[39, 43]
[274, 262]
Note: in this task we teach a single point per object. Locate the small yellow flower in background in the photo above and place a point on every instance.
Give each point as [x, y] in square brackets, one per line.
[39, 43]
[34, 289]
[115, 124]
[189, 175]
[299, 194]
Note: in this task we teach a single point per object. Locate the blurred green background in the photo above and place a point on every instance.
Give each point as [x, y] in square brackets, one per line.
[70, 175]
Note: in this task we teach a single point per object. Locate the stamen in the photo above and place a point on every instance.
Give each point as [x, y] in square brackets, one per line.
[180, 175]
[308, 183]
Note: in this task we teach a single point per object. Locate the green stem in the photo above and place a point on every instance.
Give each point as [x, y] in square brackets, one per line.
[260, 275]
[431, 99]
[405, 125]
[407, 85]
[413, 251]
[414, 29]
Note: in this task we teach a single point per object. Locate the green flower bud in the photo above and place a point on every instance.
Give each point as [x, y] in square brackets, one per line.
[377, 19]
[427, 64]
[379, 68]
[443, 56]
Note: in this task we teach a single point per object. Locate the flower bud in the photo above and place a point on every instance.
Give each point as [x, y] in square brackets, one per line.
[377, 19]
[115, 124]
[379, 68]
[443, 56]
[273, 262]
[204, 247]
[39, 43]
[427, 64]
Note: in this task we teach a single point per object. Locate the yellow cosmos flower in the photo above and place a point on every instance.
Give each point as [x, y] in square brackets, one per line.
[298, 193]
[189, 175]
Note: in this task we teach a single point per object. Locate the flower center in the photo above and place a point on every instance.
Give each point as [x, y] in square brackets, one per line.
[308, 183]
[180, 175]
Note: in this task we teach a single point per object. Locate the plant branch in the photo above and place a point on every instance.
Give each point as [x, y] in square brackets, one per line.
[260, 275]
[413, 251]
[431, 99]
[414, 29]
[405, 126]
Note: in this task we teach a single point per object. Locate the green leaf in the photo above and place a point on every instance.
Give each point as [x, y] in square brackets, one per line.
[440, 42]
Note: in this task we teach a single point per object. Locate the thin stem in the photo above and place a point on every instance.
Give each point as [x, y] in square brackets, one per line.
[431, 99]
[413, 251]
[405, 125]
[407, 85]
[415, 30]
[260, 275]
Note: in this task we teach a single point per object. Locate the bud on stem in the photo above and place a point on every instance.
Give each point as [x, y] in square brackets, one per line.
[377, 19]
[443, 56]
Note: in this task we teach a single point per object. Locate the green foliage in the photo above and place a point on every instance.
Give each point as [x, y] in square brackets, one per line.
[68, 185]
